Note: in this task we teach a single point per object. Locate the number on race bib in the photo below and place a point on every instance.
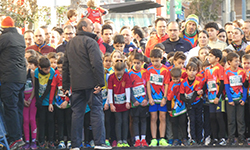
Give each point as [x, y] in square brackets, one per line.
[156, 79]
[235, 80]
[211, 86]
[119, 98]
[139, 91]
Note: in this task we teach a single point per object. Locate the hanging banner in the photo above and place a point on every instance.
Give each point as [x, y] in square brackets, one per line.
[178, 7]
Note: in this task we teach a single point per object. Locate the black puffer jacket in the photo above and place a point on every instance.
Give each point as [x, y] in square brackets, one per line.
[83, 68]
[12, 61]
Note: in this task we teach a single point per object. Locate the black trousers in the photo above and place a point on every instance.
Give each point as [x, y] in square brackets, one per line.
[179, 122]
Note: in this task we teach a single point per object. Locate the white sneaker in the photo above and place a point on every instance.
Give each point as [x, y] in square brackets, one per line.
[102, 146]
[91, 143]
[61, 145]
[207, 140]
[75, 149]
[69, 144]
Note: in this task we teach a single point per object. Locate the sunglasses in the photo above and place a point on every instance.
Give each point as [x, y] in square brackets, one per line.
[118, 60]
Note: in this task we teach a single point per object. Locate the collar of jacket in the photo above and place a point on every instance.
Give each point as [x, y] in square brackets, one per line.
[92, 35]
[179, 41]
[5, 30]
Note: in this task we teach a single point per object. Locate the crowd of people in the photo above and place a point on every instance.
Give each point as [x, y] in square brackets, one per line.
[168, 84]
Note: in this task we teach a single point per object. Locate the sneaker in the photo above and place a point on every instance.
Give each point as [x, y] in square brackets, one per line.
[125, 145]
[92, 143]
[170, 141]
[163, 142]
[137, 143]
[107, 142]
[214, 142]
[241, 141]
[26, 146]
[33, 145]
[42, 145]
[81, 146]
[102, 146]
[175, 143]
[87, 145]
[69, 144]
[16, 144]
[231, 142]
[223, 142]
[144, 143]
[207, 140]
[185, 142]
[51, 145]
[153, 143]
[114, 143]
[193, 143]
[248, 141]
[61, 145]
[119, 144]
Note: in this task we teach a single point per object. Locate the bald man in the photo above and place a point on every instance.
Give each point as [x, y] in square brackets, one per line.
[40, 44]
[127, 34]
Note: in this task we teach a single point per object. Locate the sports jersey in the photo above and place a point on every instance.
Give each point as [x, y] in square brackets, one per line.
[43, 83]
[183, 72]
[234, 84]
[118, 86]
[138, 79]
[192, 40]
[94, 14]
[177, 105]
[157, 77]
[188, 90]
[213, 75]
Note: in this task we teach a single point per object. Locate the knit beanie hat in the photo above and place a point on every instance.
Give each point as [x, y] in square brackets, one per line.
[193, 18]
[7, 22]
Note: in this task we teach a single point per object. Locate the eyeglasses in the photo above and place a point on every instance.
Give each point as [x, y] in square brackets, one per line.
[118, 60]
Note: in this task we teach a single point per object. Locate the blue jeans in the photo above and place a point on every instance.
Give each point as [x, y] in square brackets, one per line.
[79, 101]
[12, 96]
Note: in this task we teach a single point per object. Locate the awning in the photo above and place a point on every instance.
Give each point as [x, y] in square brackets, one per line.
[129, 6]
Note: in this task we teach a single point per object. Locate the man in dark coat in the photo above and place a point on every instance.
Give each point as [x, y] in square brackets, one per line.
[13, 79]
[83, 72]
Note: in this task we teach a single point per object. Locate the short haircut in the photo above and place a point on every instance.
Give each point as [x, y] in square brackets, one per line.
[82, 23]
[28, 31]
[159, 46]
[71, 13]
[138, 31]
[216, 52]
[156, 53]
[31, 51]
[205, 32]
[212, 25]
[33, 60]
[69, 27]
[44, 27]
[228, 23]
[231, 56]
[246, 56]
[175, 72]
[44, 62]
[105, 27]
[119, 66]
[192, 66]
[52, 55]
[179, 55]
[60, 60]
[227, 50]
[138, 56]
[60, 54]
[59, 30]
[119, 39]
[124, 27]
[159, 19]
[170, 54]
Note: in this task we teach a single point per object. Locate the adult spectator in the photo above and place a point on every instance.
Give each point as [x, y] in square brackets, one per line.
[28, 37]
[146, 33]
[127, 34]
[213, 29]
[13, 79]
[161, 36]
[190, 33]
[138, 35]
[238, 43]
[83, 64]
[107, 35]
[40, 44]
[229, 29]
[246, 29]
[69, 33]
[174, 42]
[47, 33]
[55, 37]
[222, 35]
[97, 31]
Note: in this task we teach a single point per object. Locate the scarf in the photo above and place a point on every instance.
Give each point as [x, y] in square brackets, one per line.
[236, 47]
[41, 46]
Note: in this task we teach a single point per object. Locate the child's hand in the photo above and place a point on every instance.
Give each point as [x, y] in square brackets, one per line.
[106, 106]
[112, 108]
[200, 92]
[242, 103]
[26, 103]
[216, 100]
[64, 104]
[51, 108]
[170, 112]
[136, 103]
[144, 103]
[151, 101]
[231, 103]
[163, 102]
[128, 105]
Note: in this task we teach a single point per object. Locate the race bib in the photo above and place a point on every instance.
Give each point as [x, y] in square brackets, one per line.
[60, 92]
[120, 98]
[156, 79]
[235, 80]
[139, 91]
[104, 94]
[189, 96]
[211, 86]
[28, 85]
